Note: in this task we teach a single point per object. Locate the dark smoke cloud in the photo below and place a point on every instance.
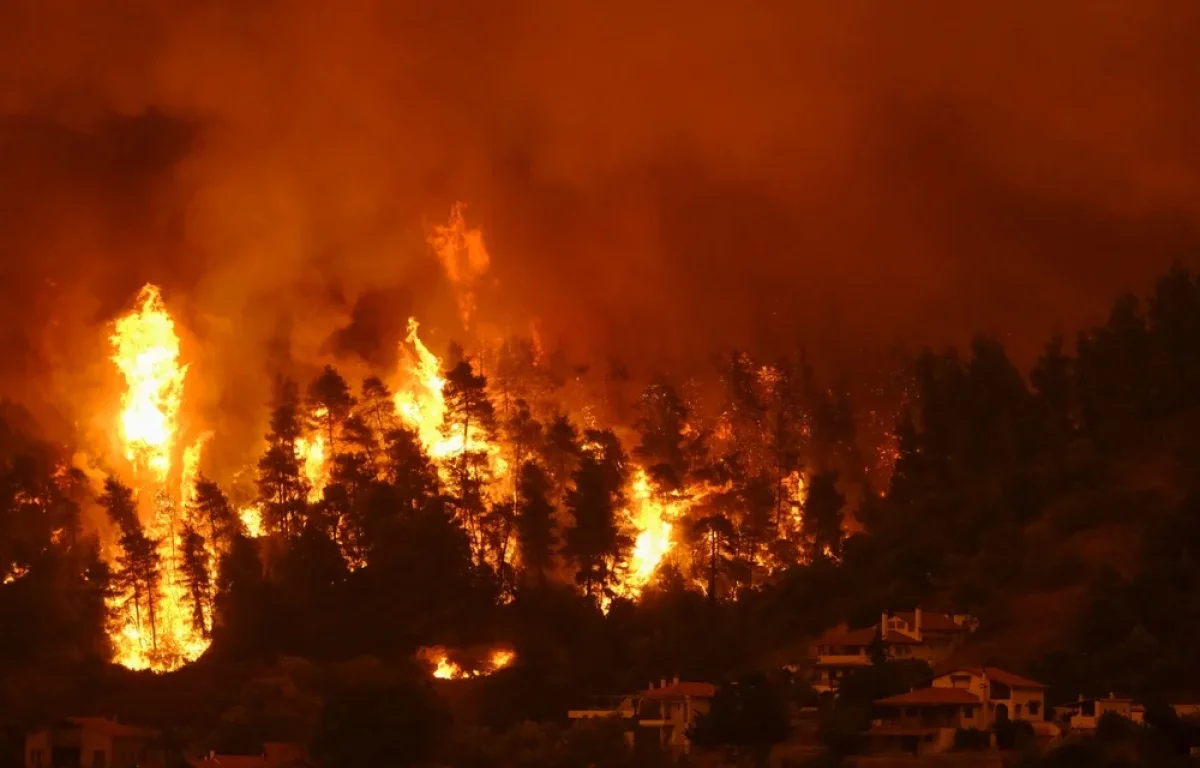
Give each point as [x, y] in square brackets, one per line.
[653, 179]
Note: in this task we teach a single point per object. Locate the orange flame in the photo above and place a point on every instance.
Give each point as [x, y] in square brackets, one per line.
[444, 669]
[463, 256]
[147, 355]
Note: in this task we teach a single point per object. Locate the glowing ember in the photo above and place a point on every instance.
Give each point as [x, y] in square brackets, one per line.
[147, 354]
[251, 518]
[15, 572]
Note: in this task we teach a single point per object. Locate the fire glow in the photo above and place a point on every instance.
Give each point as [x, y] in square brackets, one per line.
[442, 668]
[147, 354]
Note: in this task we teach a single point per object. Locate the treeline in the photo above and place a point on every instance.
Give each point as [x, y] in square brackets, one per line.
[523, 536]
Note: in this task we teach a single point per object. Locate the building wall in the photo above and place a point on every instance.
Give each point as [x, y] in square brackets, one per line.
[37, 744]
[982, 688]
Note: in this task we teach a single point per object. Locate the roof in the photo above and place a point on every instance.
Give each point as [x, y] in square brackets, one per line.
[672, 690]
[998, 675]
[1117, 699]
[932, 622]
[110, 727]
[931, 696]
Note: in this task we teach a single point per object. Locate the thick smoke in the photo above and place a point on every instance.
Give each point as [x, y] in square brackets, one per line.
[653, 179]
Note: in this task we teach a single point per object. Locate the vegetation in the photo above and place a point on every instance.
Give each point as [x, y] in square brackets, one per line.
[991, 490]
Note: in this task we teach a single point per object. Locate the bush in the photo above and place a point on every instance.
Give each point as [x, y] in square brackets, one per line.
[971, 739]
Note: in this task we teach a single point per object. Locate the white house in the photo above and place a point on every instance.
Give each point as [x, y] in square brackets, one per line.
[1005, 696]
[669, 709]
[1085, 714]
[916, 634]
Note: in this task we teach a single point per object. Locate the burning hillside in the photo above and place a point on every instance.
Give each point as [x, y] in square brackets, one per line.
[711, 499]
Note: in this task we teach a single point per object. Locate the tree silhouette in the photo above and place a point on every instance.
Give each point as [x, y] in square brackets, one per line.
[139, 562]
[281, 487]
[822, 522]
[536, 537]
[662, 418]
[595, 541]
[210, 511]
[330, 404]
[194, 566]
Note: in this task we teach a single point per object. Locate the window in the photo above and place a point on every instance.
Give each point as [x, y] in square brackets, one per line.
[1033, 707]
[960, 681]
[98, 759]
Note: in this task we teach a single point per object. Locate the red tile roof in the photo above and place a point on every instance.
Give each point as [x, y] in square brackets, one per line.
[931, 696]
[673, 690]
[1000, 676]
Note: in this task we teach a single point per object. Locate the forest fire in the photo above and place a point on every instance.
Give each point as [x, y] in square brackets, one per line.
[443, 668]
[443, 438]
[153, 624]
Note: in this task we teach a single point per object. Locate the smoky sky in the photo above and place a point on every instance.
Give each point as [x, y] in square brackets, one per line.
[653, 179]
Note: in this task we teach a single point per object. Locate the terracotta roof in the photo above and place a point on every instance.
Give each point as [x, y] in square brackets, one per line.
[931, 622]
[673, 690]
[999, 675]
[931, 696]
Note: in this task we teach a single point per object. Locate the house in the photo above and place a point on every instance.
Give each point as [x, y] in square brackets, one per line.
[1085, 714]
[93, 742]
[672, 708]
[1005, 696]
[923, 721]
[664, 713]
[930, 637]
[275, 754]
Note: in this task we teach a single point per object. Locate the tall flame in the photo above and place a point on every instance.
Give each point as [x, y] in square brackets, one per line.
[147, 354]
[463, 256]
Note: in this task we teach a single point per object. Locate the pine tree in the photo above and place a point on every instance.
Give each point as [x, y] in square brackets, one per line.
[536, 538]
[407, 468]
[713, 533]
[376, 406]
[822, 526]
[281, 487]
[595, 542]
[194, 561]
[330, 404]
[139, 562]
[211, 512]
[469, 416]
[662, 418]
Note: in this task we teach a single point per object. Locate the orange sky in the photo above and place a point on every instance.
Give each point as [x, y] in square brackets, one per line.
[653, 179]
